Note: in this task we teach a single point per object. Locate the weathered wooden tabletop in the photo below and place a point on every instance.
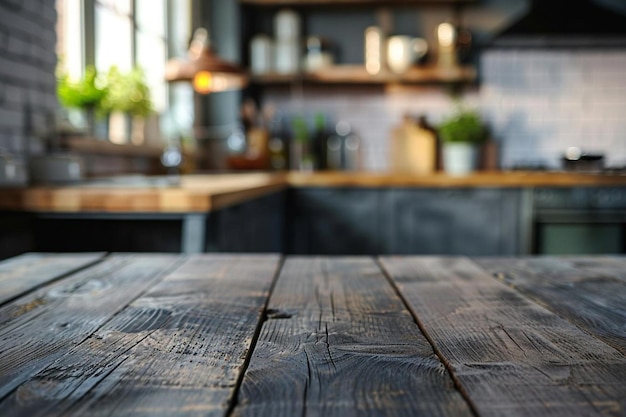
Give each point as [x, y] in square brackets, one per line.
[261, 335]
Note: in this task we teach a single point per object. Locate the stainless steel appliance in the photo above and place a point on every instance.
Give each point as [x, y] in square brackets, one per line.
[579, 220]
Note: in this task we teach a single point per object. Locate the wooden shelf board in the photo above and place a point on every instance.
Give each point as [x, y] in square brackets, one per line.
[356, 74]
[104, 147]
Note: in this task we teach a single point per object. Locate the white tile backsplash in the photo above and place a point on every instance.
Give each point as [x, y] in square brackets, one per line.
[541, 102]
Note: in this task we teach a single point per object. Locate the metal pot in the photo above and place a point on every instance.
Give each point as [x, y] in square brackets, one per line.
[575, 160]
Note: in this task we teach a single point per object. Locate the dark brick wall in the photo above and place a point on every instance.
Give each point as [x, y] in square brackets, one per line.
[27, 66]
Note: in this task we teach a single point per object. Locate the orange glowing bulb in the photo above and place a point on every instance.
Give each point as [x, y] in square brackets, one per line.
[203, 82]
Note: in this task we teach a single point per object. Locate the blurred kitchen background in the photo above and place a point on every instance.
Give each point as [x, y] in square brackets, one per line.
[538, 96]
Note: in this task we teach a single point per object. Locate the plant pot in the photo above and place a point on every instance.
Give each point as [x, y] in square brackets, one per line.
[137, 130]
[120, 127]
[101, 128]
[459, 158]
[90, 120]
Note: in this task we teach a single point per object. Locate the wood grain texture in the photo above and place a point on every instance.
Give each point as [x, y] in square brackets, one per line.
[477, 179]
[511, 356]
[203, 193]
[104, 147]
[587, 292]
[194, 193]
[356, 74]
[29, 271]
[41, 327]
[339, 342]
[177, 350]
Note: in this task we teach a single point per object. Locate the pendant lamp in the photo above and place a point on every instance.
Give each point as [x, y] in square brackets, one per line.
[207, 72]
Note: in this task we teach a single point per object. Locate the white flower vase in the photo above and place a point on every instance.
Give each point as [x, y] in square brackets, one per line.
[459, 158]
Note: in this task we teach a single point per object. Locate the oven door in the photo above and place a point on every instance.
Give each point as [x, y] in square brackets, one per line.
[578, 232]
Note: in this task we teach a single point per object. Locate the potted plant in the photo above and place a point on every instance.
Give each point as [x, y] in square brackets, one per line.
[128, 101]
[86, 94]
[461, 133]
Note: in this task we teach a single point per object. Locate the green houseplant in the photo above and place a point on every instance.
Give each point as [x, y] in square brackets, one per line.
[461, 133]
[128, 92]
[128, 100]
[87, 94]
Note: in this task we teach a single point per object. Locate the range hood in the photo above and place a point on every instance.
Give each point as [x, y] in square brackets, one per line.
[565, 23]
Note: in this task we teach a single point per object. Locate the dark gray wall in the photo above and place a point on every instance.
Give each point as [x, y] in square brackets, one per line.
[27, 66]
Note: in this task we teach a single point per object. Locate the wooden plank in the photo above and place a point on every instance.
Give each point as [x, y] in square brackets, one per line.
[587, 292]
[84, 145]
[339, 342]
[178, 350]
[512, 357]
[194, 193]
[26, 272]
[357, 74]
[38, 329]
[199, 193]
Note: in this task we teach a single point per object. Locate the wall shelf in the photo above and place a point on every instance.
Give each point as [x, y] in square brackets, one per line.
[356, 75]
[84, 145]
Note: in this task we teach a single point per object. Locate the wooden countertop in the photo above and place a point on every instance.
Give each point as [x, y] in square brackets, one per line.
[260, 335]
[478, 179]
[191, 193]
[203, 193]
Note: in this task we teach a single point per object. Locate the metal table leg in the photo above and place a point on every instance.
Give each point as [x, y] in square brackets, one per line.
[194, 233]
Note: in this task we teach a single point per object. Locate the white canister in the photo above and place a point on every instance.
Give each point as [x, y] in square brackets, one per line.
[446, 37]
[261, 56]
[374, 50]
[286, 24]
[287, 56]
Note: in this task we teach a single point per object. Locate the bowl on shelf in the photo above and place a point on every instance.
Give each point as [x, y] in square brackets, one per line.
[56, 168]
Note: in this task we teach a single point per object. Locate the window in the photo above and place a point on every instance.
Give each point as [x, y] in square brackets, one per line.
[124, 33]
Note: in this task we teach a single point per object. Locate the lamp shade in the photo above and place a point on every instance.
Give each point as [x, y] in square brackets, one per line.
[204, 69]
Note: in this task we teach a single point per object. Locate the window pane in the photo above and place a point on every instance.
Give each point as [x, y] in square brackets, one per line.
[179, 31]
[150, 16]
[113, 40]
[151, 57]
[119, 6]
[181, 111]
[70, 38]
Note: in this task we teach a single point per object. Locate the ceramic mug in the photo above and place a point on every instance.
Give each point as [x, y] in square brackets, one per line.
[403, 51]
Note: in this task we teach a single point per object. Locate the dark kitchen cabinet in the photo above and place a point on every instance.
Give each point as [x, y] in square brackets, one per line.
[472, 222]
[253, 226]
[87, 232]
[404, 221]
[15, 234]
[334, 221]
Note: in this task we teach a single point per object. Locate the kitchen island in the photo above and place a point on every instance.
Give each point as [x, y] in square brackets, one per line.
[265, 335]
[302, 212]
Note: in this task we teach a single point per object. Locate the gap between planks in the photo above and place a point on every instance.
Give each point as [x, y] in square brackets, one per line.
[257, 333]
[446, 363]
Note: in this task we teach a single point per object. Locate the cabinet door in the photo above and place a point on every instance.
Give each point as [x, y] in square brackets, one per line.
[334, 221]
[16, 235]
[254, 226]
[471, 222]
